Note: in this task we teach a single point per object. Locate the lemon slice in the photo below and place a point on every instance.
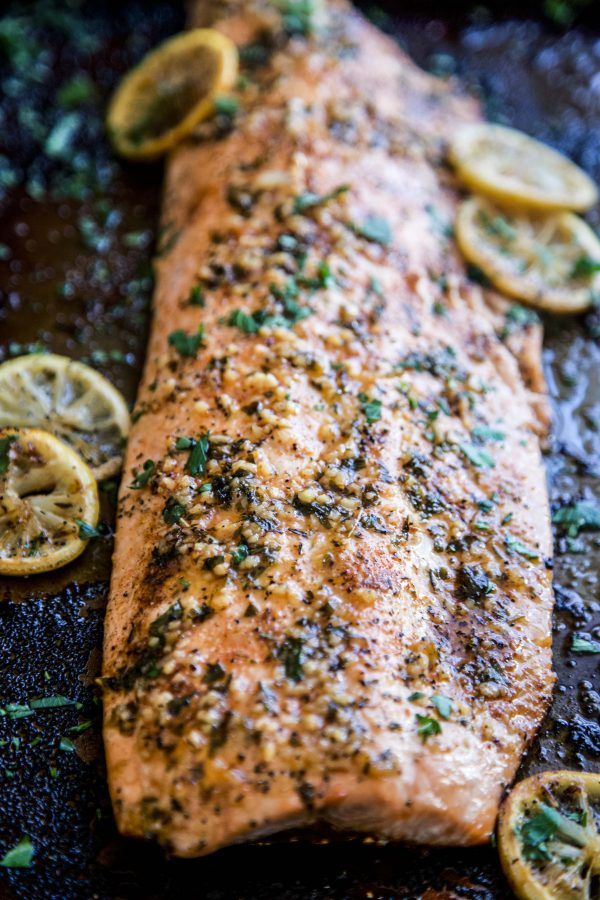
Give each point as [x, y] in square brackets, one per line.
[48, 502]
[550, 261]
[163, 98]
[548, 836]
[514, 168]
[69, 399]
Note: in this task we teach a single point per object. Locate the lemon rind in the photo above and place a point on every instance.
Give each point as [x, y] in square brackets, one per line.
[578, 198]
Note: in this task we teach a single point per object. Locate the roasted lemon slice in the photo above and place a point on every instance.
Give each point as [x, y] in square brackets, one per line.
[173, 89]
[48, 502]
[69, 399]
[513, 168]
[548, 837]
[550, 261]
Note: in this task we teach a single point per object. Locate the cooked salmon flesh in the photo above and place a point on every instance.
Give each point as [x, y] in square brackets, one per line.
[331, 594]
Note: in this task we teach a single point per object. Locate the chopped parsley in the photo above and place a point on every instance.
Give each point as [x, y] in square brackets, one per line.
[55, 702]
[290, 653]
[483, 434]
[584, 645]
[427, 727]
[173, 511]
[196, 296]
[478, 457]
[297, 16]
[186, 344]
[86, 532]
[518, 317]
[244, 321]
[518, 546]
[239, 553]
[66, 745]
[375, 229]
[584, 267]
[370, 408]
[576, 517]
[309, 200]
[141, 478]
[226, 105]
[196, 461]
[443, 705]
[538, 830]
[20, 856]
[473, 583]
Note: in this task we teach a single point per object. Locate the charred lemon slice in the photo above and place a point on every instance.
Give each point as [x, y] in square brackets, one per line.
[69, 399]
[173, 89]
[550, 261]
[512, 167]
[48, 502]
[548, 837]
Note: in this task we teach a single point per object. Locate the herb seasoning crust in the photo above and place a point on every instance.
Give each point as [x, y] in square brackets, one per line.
[331, 595]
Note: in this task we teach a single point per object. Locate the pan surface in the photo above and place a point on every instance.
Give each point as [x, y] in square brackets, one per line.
[77, 234]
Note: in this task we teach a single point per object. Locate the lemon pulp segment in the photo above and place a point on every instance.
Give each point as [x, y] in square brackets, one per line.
[171, 91]
[48, 495]
[551, 261]
[70, 399]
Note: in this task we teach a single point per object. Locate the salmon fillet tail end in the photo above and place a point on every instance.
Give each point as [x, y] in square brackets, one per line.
[331, 595]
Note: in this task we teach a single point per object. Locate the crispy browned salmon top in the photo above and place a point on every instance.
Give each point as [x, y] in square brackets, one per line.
[331, 596]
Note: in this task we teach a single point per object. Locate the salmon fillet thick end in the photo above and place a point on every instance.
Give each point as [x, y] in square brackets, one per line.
[331, 597]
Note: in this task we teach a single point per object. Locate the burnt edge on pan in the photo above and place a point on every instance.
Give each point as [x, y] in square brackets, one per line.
[99, 312]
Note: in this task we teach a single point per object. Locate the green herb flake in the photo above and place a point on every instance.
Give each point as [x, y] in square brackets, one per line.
[55, 702]
[196, 461]
[173, 511]
[537, 831]
[370, 408]
[584, 645]
[577, 517]
[196, 296]
[239, 553]
[519, 547]
[309, 200]
[80, 727]
[443, 705]
[226, 105]
[297, 16]
[20, 856]
[585, 267]
[478, 457]
[427, 727]
[66, 745]
[186, 344]
[141, 478]
[86, 532]
[483, 434]
[375, 229]
[244, 321]
[416, 695]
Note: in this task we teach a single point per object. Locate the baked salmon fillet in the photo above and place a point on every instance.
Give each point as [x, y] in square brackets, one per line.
[331, 595]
